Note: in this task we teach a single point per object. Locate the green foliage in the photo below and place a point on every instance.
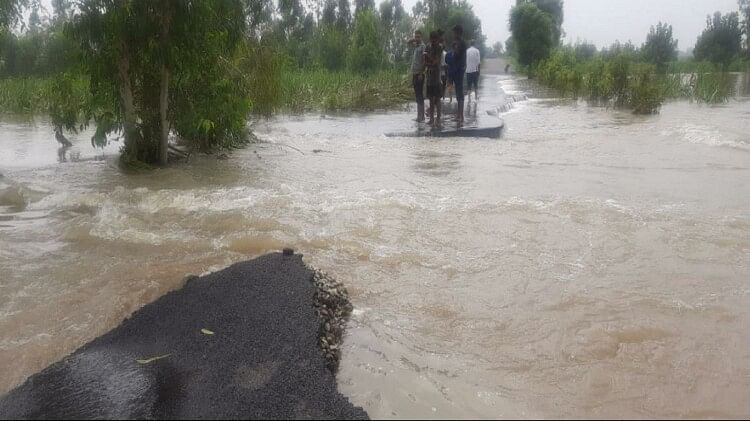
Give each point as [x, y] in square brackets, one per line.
[133, 51]
[261, 67]
[645, 95]
[396, 26]
[745, 12]
[10, 12]
[660, 47]
[585, 51]
[364, 5]
[344, 15]
[561, 72]
[365, 54]
[533, 33]
[331, 48]
[721, 41]
[30, 96]
[510, 47]
[445, 14]
[556, 10]
[321, 90]
[624, 81]
[618, 49]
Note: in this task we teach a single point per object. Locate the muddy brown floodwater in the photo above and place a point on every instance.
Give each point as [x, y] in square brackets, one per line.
[590, 263]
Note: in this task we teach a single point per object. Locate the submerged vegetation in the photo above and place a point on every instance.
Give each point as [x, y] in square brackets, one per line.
[626, 82]
[623, 75]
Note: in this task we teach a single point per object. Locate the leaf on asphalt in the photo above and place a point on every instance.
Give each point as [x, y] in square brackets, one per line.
[150, 360]
[206, 332]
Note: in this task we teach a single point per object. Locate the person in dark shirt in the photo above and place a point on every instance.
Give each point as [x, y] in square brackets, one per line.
[433, 61]
[460, 63]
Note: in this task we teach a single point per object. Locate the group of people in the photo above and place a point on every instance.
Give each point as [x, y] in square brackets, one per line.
[440, 70]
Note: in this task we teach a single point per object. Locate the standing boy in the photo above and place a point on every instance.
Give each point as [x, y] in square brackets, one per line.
[417, 72]
[473, 60]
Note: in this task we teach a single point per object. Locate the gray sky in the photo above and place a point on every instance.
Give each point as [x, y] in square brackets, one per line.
[604, 21]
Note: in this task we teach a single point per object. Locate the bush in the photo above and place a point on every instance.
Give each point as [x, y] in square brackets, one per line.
[645, 94]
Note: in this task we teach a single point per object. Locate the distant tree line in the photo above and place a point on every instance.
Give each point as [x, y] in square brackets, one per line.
[535, 27]
[626, 75]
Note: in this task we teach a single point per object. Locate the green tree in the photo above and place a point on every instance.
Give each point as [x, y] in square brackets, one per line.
[396, 26]
[157, 67]
[328, 17]
[745, 12]
[510, 47]
[331, 47]
[292, 15]
[363, 5]
[344, 16]
[11, 12]
[660, 47]
[462, 13]
[497, 49]
[365, 54]
[617, 49]
[445, 14]
[533, 33]
[721, 41]
[556, 10]
[585, 51]
[258, 13]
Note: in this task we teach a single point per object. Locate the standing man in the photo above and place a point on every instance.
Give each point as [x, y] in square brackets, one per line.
[459, 53]
[473, 60]
[417, 72]
[433, 59]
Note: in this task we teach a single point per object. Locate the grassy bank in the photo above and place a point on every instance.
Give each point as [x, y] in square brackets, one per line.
[625, 82]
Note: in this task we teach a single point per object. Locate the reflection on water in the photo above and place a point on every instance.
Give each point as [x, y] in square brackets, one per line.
[588, 263]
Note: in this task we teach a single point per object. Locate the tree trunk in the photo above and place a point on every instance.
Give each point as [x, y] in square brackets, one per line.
[163, 107]
[166, 23]
[126, 95]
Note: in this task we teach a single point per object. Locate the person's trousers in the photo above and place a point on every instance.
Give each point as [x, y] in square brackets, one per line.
[472, 80]
[458, 84]
[418, 82]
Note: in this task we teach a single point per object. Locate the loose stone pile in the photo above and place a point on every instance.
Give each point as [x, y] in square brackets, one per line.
[331, 301]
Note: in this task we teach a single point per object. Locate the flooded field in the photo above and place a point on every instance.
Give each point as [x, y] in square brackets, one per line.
[590, 263]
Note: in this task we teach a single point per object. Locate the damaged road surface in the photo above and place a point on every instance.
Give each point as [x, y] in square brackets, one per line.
[250, 341]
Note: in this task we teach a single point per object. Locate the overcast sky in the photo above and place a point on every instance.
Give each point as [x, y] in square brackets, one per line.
[604, 21]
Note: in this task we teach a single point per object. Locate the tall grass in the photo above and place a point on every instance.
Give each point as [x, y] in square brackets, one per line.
[292, 90]
[321, 90]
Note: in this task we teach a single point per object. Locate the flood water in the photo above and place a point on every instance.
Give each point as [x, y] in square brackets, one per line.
[590, 263]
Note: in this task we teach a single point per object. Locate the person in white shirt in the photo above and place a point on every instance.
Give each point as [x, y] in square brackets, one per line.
[473, 60]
